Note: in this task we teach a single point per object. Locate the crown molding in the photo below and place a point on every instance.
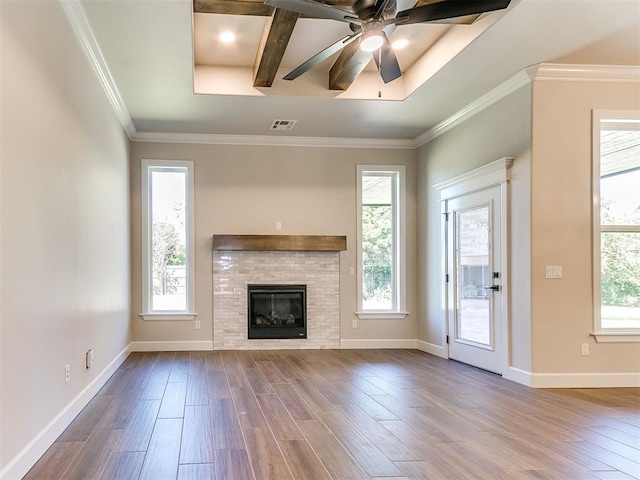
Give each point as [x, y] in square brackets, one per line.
[275, 141]
[494, 95]
[540, 72]
[84, 33]
[586, 73]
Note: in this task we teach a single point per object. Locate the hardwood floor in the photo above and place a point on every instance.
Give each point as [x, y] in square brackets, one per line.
[339, 414]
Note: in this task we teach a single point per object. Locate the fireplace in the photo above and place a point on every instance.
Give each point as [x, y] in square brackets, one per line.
[277, 311]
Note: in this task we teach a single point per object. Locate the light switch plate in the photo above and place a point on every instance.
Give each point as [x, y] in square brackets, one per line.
[553, 271]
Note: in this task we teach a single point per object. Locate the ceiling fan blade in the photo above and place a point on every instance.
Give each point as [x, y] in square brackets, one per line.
[448, 9]
[320, 56]
[387, 62]
[314, 9]
[381, 8]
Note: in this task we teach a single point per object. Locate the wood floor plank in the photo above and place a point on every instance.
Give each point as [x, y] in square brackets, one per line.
[162, 367]
[371, 459]
[303, 461]
[271, 372]
[180, 367]
[338, 462]
[120, 409]
[197, 471]
[227, 434]
[233, 465]
[123, 466]
[137, 433]
[295, 405]
[83, 425]
[249, 411]
[218, 384]
[311, 395]
[265, 455]
[92, 458]
[279, 419]
[154, 390]
[257, 380]
[197, 435]
[236, 377]
[55, 461]
[285, 368]
[612, 459]
[393, 447]
[620, 437]
[173, 401]
[213, 362]
[161, 460]
[197, 363]
[612, 475]
[197, 388]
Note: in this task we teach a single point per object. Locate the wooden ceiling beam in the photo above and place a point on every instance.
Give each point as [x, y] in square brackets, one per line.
[249, 7]
[349, 64]
[235, 7]
[275, 38]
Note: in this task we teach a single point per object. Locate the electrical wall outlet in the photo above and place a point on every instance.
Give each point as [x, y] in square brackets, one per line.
[278, 225]
[89, 358]
[67, 373]
[354, 323]
[585, 349]
[197, 324]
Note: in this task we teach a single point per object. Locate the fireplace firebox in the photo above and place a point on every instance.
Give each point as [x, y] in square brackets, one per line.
[277, 311]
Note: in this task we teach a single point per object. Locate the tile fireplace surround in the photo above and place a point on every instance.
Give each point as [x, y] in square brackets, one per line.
[240, 260]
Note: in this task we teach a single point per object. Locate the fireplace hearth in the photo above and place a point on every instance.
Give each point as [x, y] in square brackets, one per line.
[277, 311]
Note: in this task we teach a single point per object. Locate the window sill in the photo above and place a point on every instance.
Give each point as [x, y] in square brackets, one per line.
[168, 316]
[381, 315]
[617, 337]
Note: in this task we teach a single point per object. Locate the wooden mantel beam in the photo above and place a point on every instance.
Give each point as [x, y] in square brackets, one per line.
[315, 243]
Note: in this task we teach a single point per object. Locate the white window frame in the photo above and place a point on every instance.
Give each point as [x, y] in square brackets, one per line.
[627, 118]
[189, 312]
[399, 242]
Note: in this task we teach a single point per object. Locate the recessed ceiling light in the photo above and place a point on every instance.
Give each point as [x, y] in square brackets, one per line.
[227, 37]
[400, 44]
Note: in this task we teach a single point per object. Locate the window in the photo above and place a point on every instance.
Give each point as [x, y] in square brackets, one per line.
[381, 242]
[167, 240]
[616, 165]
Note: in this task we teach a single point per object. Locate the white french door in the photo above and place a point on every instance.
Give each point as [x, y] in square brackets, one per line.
[475, 278]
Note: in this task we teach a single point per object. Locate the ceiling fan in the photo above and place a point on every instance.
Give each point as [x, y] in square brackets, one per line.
[372, 21]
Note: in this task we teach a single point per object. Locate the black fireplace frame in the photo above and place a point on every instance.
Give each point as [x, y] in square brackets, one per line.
[277, 332]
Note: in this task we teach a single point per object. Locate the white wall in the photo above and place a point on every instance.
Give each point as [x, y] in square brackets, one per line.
[64, 229]
[502, 130]
[245, 190]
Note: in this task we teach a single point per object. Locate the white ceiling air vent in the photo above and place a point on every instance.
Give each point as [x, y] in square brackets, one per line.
[283, 124]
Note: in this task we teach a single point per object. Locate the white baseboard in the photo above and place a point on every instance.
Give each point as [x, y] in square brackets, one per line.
[187, 346]
[377, 343]
[431, 348]
[22, 463]
[574, 380]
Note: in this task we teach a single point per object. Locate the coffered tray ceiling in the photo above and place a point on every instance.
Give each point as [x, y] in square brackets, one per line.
[156, 51]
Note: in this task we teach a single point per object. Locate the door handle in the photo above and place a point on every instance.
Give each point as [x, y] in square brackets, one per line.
[495, 288]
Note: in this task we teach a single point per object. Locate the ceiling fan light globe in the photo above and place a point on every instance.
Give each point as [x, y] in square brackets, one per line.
[371, 40]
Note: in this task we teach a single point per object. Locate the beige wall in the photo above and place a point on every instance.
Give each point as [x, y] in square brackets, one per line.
[502, 130]
[562, 310]
[245, 190]
[64, 223]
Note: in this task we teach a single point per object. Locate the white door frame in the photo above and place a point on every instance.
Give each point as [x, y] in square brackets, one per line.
[490, 175]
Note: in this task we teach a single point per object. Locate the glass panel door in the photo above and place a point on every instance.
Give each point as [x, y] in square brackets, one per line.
[473, 253]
